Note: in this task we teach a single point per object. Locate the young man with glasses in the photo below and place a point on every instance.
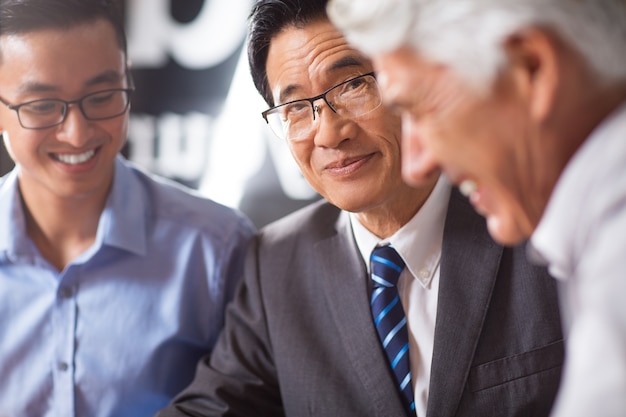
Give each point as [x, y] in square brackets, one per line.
[112, 282]
[478, 328]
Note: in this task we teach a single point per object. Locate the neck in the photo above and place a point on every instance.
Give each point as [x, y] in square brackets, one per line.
[578, 112]
[61, 228]
[385, 220]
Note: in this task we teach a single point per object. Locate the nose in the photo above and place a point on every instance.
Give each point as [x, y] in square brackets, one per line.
[75, 128]
[332, 128]
[418, 161]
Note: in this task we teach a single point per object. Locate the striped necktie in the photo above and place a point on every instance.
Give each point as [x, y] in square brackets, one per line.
[389, 318]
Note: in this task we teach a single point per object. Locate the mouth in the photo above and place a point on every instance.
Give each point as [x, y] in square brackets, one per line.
[74, 159]
[468, 187]
[348, 165]
[476, 196]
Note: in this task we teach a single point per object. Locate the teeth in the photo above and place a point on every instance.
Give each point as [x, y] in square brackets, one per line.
[467, 187]
[72, 159]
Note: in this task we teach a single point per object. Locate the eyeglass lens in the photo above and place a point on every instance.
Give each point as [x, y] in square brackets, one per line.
[100, 105]
[352, 98]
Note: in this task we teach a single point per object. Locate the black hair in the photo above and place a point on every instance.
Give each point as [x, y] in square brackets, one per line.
[22, 16]
[267, 19]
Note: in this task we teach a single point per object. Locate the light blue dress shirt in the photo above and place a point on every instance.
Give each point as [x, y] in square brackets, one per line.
[120, 330]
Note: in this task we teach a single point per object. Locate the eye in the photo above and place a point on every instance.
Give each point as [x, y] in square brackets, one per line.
[103, 97]
[355, 87]
[355, 84]
[42, 107]
[295, 110]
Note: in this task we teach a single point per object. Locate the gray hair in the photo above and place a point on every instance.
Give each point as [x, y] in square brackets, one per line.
[467, 35]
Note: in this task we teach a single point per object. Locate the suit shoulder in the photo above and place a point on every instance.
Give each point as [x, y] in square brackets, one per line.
[315, 219]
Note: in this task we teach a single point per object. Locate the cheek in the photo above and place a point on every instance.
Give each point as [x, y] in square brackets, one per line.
[468, 132]
[446, 141]
[121, 131]
[414, 135]
[23, 144]
[392, 140]
[385, 125]
[302, 153]
[116, 130]
[9, 124]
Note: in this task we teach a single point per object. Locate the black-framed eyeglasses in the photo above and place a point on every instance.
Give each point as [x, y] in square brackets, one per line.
[352, 98]
[49, 112]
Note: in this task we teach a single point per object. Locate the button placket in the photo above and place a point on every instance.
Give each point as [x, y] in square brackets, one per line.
[64, 323]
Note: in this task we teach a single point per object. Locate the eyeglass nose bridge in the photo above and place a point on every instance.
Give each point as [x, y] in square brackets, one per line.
[316, 108]
[66, 108]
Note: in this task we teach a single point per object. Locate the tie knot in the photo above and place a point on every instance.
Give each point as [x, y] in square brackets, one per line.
[386, 265]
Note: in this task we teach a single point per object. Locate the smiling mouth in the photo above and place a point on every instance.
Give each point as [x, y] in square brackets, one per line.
[348, 164]
[467, 187]
[74, 159]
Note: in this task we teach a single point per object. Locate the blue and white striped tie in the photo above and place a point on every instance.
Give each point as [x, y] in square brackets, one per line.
[389, 318]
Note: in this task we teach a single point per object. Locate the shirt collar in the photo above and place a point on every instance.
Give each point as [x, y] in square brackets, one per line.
[554, 236]
[123, 220]
[419, 241]
[122, 223]
[12, 222]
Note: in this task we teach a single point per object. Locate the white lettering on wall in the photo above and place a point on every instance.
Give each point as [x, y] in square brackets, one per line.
[182, 143]
[153, 35]
[222, 154]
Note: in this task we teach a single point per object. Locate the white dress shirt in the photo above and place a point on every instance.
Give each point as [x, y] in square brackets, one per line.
[419, 244]
[582, 236]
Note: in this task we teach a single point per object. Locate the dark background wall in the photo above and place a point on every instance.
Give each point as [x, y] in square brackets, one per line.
[195, 116]
[5, 161]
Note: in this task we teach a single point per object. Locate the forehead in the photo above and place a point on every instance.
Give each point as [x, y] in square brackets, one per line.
[406, 78]
[399, 68]
[310, 57]
[59, 58]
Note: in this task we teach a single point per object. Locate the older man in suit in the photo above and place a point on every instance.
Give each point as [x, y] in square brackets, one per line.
[301, 338]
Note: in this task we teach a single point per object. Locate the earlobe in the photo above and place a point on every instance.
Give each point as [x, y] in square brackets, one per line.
[533, 56]
[4, 136]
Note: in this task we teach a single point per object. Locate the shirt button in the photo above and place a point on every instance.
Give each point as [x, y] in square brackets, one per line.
[62, 366]
[66, 292]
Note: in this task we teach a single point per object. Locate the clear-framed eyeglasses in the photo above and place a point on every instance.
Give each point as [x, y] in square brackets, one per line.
[295, 121]
[49, 112]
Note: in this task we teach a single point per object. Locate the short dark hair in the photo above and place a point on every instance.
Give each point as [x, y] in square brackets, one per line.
[22, 16]
[267, 19]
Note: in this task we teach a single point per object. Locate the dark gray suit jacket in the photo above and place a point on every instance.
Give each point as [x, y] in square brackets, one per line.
[299, 338]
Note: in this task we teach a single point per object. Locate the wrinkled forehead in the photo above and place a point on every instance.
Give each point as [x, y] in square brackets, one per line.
[310, 57]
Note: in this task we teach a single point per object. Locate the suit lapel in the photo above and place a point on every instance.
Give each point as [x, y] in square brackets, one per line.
[344, 280]
[469, 266]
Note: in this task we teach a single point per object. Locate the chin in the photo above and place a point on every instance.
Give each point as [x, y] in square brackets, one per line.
[505, 231]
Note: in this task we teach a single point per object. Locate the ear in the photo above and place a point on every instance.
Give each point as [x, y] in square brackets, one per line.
[533, 57]
[4, 136]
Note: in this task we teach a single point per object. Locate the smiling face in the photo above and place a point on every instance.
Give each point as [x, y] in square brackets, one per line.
[74, 159]
[486, 139]
[353, 162]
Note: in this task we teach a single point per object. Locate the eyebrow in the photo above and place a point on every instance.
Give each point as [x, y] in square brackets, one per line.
[345, 62]
[109, 76]
[106, 77]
